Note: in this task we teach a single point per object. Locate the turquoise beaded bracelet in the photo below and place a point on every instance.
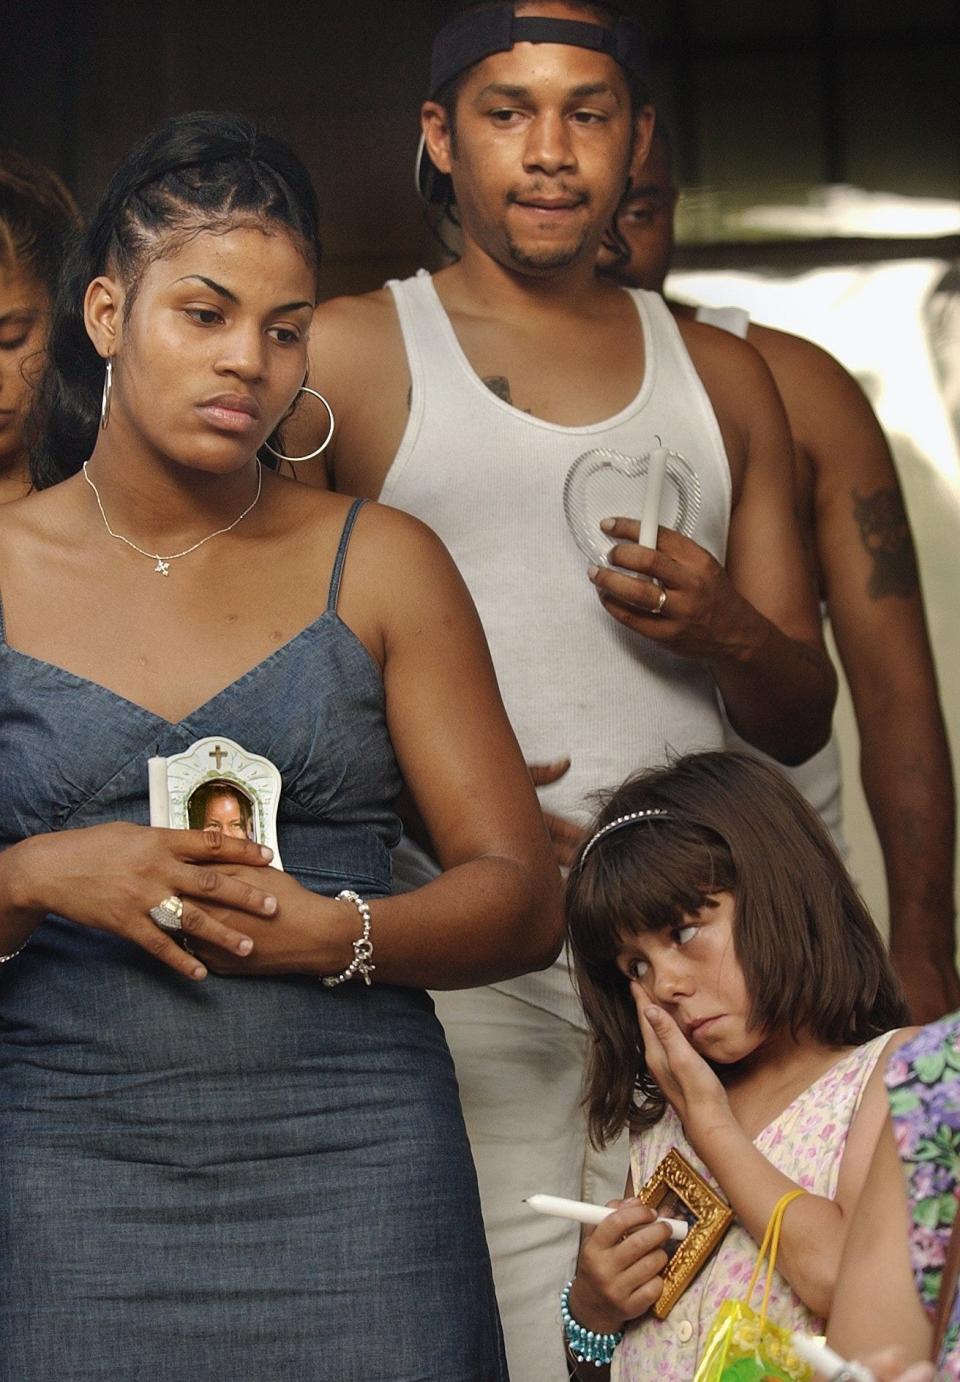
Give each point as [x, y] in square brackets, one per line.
[586, 1345]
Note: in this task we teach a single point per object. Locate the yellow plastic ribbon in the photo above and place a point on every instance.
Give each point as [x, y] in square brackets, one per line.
[741, 1346]
[771, 1241]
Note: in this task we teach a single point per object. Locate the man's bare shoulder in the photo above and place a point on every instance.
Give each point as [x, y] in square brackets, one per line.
[796, 357]
[825, 404]
[718, 349]
[357, 355]
[355, 323]
[734, 373]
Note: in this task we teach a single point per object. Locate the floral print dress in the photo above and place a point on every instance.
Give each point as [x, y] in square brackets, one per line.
[806, 1142]
[923, 1086]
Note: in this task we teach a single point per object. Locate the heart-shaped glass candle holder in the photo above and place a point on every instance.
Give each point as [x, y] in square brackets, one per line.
[607, 484]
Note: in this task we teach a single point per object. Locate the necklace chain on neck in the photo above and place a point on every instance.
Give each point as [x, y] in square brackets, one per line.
[162, 567]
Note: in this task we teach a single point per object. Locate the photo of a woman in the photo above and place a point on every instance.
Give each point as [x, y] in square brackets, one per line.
[222, 805]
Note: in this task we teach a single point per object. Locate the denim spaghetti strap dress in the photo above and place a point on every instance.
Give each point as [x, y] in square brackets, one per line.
[245, 1180]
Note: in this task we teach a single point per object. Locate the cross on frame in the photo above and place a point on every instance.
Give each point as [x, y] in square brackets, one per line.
[218, 753]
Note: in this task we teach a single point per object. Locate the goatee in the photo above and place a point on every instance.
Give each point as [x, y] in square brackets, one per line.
[547, 257]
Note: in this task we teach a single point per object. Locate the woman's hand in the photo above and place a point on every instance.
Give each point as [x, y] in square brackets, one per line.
[618, 1275]
[307, 934]
[109, 877]
[688, 1082]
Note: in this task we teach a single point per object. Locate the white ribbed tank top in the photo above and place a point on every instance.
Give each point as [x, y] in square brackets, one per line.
[489, 480]
[819, 779]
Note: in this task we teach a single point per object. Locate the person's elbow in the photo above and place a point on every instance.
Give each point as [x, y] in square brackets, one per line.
[799, 742]
[812, 1272]
[814, 724]
[803, 719]
[549, 947]
[817, 1290]
[789, 741]
[546, 933]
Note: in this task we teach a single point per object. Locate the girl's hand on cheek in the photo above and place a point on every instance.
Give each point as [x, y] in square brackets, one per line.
[687, 1081]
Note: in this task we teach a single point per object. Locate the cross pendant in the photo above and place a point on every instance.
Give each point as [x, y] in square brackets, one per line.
[162, 567]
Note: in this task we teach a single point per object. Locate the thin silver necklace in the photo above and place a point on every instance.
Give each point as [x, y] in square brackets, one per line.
[162, 567]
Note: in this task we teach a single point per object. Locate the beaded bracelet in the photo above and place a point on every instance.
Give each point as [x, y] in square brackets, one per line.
[362, 946]
[586, 1345]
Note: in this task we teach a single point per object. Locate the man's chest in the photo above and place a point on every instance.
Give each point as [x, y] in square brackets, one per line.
[574, 377]
[566, 387]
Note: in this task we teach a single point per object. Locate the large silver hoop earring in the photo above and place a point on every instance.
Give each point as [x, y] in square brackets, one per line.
[295, 460]
[107, 395]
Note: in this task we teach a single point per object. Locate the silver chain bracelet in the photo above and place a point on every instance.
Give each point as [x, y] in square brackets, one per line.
[362, 946]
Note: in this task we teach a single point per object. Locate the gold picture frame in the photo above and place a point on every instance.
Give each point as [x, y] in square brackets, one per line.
[675, 1190]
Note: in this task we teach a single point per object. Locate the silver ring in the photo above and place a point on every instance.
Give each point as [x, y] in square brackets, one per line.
[169, 913]
[661, 601]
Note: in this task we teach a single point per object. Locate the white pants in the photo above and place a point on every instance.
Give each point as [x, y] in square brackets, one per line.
[521, 1082]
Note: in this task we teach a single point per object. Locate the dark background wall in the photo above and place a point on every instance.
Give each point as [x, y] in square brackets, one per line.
[763, 97]
[759, 93]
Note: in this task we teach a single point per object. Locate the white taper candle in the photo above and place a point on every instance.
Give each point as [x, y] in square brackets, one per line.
[650, 519]
[585, 1213]
[159, 795]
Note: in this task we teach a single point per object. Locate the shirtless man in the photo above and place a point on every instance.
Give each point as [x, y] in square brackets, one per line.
[856, 525]
[467, 398]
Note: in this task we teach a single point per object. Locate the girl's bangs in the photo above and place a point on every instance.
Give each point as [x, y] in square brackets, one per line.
[647, 878]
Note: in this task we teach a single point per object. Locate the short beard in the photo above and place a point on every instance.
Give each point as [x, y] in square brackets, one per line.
[547, 258]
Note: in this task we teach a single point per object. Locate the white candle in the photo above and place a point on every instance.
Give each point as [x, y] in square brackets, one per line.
[827, 1361]
[159, 796]
[650, 520]
[592, 1213]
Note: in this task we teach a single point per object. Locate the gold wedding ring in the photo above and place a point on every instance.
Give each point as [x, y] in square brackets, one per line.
[661, 601]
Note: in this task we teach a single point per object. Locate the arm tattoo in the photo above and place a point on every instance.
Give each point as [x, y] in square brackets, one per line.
[885, 534]
[500, 385]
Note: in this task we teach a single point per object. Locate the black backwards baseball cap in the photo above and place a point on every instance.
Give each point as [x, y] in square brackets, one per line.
[477, 34]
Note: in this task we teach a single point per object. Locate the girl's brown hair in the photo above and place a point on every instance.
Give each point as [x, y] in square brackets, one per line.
[811, 956]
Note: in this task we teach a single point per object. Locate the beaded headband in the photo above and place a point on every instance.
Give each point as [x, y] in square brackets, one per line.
[652, 813]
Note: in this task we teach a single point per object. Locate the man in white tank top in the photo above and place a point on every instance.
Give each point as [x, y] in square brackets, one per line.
[468, 398]
[857, 527]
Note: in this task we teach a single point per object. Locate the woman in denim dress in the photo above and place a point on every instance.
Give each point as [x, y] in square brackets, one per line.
[212, 1165]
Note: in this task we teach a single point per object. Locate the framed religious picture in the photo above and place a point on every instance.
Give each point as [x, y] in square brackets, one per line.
[216, 784]
[676, 1191]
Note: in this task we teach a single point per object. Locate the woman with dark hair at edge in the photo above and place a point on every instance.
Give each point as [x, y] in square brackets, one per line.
[37, 219]
[212, 1164]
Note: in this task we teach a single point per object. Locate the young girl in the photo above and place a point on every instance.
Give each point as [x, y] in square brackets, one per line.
[739, 999]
